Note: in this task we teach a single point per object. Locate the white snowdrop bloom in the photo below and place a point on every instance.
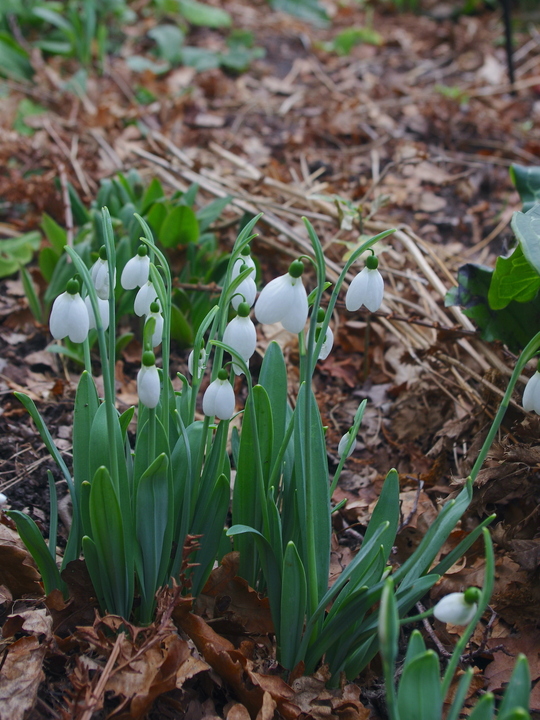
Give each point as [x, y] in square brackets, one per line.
[148, 383]
[137, 270]
[457, 608]
[531, 396]
[157, 337]
[200, 364]
[284, 300]
[3, 499]
[219, 398]
[343, 444]
[69, 316]
[144, 298]
[240, 334]
[99, 273]
[328, 342]
[367, 288]
[103, 306]
[244, 259]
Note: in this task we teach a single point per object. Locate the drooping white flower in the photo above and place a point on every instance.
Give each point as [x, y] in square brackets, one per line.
[367, 288]
[240, 334]
[148, 383]
[99, 273]
[200, 364]
[457, 608]
[328, 342]
[343, 444]
[144, 298]
[103, 306]
[69, 316]
[136, 270]
[3, 499]
[219, 398]
[531, 396]
[284, 300]
[157, 337]
[247, 290]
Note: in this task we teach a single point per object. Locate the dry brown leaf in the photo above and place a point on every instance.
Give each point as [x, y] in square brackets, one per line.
[17, 570]
[20, 678]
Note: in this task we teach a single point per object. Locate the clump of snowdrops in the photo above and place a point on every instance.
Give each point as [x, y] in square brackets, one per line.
[134, 504]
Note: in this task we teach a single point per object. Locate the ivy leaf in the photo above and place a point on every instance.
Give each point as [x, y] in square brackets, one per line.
[527, 183]
[514, 325]
[526, 227]
[514, 279]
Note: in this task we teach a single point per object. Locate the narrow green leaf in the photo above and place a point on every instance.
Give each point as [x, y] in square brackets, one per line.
[419, 693]
[31, 537]
[293, 606]
[180, 227]
[517, 694]
[56, 234]
[31, 294]
[484, 708]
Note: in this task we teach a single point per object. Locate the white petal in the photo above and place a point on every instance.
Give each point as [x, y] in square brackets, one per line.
[3, 499]
[101, 279]
[529, 395]
[343, 444]
[148, 386]
[328, 344]
[135, 272]
[103, 312]
[274, 300]
[245, 292]
[241, 335]
[202, 359]
[361, 290]
[78, 320]
[157, 337]
[295, 317]
[374, 291]
[58, 323]
[453, 609]
[145, 297]
[209, 399]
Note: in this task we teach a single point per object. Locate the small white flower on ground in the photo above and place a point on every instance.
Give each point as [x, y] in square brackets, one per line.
[328, 342]
[69, 316]
[343, 444]
[136, 271]
[284, 300]
[103, 306]
[3, 499]
[157, 337]
[200, 364]
[148, 384]
[240, 334]
[458, 608]
[219, 400]
[144, 298]
[100, 275]
[531, 396]
[367, 288]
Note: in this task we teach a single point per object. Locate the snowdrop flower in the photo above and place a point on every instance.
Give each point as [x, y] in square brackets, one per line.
[100, 275]
[69, 316]
[103, 306]
[157, 337]
[136, 271]
[531, 396]
[328, 342]
[343, 444]
[3, 499]
[241, 335]
[367, 288]
[458, 608]
[247, 290]
[148, 384]
[145, 297]
[219, 398]
[284, 300]
[200, 364]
